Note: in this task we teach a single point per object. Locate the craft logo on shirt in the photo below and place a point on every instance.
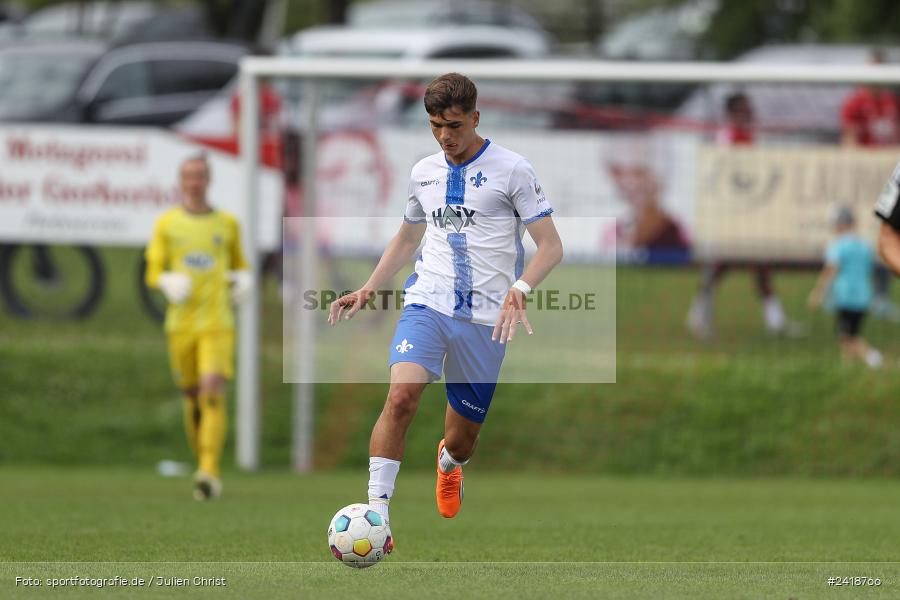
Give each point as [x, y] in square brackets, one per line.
[456, 217]
[199, 261]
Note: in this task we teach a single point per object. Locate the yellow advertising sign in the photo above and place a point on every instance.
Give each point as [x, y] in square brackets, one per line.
[777, 203]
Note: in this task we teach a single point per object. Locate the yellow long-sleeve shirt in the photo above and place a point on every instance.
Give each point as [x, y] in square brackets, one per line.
[206, 246]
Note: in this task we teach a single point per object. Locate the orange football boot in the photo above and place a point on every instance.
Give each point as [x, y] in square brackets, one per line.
[449, 492]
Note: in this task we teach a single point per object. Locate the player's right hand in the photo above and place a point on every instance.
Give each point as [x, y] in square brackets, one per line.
[175, 286]
[348, 304]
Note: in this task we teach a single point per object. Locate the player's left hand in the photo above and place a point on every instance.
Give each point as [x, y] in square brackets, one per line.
[241, 285]
[512, 313]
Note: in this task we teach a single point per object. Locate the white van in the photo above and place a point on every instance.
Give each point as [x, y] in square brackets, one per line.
[478, 41]
[351, 102]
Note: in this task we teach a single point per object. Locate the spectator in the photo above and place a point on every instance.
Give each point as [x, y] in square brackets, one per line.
[870, 118]
[737, 131]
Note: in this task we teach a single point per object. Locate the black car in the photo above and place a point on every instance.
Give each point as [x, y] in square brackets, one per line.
[155, 83]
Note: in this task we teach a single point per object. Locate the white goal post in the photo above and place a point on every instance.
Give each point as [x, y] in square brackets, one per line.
[252, 69]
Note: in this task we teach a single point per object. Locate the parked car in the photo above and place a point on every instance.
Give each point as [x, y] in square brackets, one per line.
[96, 19]
[89, 82]
[447, 41]
[663, 33]
[407, 14]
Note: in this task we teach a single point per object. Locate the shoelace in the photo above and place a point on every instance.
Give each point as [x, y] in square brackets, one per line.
[451, 491]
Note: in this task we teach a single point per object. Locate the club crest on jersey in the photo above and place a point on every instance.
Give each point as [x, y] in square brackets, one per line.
[478, 179]
[453, 216]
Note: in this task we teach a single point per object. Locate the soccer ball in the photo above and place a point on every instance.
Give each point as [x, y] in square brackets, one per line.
[358, 536]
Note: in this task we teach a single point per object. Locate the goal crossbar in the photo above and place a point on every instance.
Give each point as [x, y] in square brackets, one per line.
[569, 70]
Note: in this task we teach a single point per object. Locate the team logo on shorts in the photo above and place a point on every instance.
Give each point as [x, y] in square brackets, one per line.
[404, 347]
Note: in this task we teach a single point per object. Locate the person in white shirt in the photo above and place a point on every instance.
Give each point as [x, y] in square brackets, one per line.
[471, 202]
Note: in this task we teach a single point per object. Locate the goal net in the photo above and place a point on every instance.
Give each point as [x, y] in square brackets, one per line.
[662, 178]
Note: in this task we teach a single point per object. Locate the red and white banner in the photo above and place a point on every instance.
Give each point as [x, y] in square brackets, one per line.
[98, 185]
[640, 186]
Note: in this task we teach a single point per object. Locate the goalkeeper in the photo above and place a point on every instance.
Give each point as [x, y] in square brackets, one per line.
[195, 259]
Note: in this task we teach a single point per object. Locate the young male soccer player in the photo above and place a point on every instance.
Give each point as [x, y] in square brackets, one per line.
[195, 259]
[470, 201]
[847, 278]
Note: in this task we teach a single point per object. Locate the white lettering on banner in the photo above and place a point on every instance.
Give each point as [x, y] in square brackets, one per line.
[107, 185]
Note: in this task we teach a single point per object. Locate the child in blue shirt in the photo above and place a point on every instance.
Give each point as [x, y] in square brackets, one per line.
[847, 277]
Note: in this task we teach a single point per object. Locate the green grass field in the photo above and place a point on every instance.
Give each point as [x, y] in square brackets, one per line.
[749, 467]
[521, 535]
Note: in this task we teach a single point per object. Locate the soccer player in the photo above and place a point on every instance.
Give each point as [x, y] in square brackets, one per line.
[195, 259]
[471, 201]
[847, 278]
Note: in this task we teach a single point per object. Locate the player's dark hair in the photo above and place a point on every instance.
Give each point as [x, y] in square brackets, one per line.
[448, 91]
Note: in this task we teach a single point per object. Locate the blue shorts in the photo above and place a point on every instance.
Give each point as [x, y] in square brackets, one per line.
[462, 350]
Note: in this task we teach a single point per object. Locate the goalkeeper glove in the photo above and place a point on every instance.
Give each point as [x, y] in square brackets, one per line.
[241, 285]
[176, 287]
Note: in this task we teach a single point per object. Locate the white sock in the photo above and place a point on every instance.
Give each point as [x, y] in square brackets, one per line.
[773, 314]
[874, 359]
[382, 475]
[447, 462]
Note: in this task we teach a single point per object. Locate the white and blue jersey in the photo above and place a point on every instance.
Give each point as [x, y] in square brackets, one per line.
[475, 215]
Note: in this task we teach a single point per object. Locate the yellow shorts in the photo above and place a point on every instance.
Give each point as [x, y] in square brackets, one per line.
[192, 355]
